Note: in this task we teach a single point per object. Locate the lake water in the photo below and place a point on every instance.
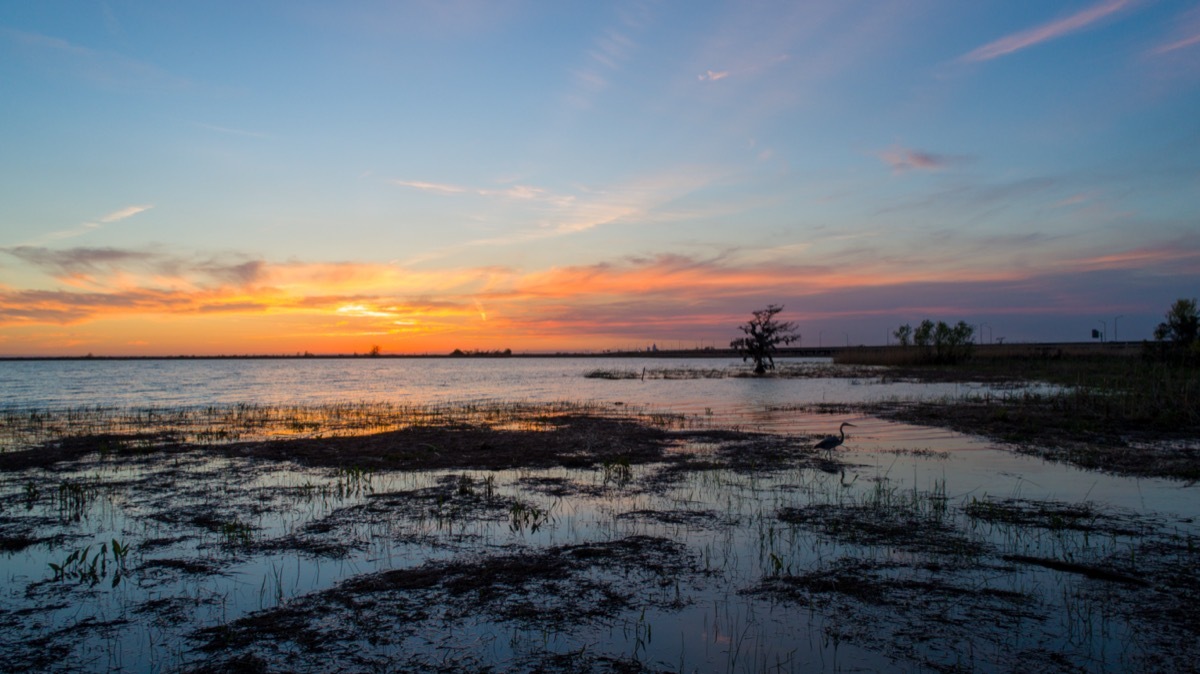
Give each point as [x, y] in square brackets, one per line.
[730, 522]
[175, 383]
[762, 404]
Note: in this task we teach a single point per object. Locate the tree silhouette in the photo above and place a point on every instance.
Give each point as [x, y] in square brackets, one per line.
[763, 335]
[1182, 324]
[939, 342]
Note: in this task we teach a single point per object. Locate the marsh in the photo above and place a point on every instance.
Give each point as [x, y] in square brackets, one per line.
[636, 530]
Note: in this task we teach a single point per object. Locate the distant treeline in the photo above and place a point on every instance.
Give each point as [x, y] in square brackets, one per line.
[459, 353]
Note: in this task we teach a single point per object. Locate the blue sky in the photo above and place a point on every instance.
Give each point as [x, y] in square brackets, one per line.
[264, 177]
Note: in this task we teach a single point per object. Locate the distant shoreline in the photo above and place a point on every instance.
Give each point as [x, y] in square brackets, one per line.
[789, 352]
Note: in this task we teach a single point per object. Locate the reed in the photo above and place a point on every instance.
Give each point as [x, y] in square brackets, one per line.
[79, 567]
[1100, 389]
[122, 430]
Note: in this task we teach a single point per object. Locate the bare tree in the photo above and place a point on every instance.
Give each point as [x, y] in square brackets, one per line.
[763, 335]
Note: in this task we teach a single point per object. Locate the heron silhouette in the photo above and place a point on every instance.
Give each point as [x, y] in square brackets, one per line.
[832, 441]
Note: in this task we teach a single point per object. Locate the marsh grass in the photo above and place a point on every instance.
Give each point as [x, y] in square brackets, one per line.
[906, 519]
[1109, 410]
[73, 498]
[968, 575]
[575, 541]
[782, 371]
[1098, 389]
[113, 430]
[77, 566]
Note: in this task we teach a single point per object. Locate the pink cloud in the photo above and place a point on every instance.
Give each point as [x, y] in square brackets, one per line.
[1048, 31]
[1186, 33]
[439, 188]
[903, 159]
[712, 76]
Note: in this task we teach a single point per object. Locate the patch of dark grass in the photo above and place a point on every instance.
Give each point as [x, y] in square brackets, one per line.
[455, 499]
[314, 543]
[20, 542]
[1115, 410]
[686, 518]
[559, 588]
[167, 610]
[1135, 571]
[781, 371]
[882, 583]
[749, 453]
[921, 612]
[1040, 427]
[572, 442]
[1053, 515]
[1088, 570]
[188, 566]
[900, 527]
[560, 487]
[73, 448]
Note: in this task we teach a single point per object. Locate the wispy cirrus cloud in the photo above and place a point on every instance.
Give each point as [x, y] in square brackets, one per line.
[437, 188]
[101, 68]
[1183, 257]
[127, 212]
[1179, 44]
[1045, 32]
[747, 66]
[902, 159]
[1185, 33]
[608, 53]
[231, 130]
[89, 226]
[555, 214]
[527, 193]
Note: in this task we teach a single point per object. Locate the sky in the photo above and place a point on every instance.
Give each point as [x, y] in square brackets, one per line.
[191, 178]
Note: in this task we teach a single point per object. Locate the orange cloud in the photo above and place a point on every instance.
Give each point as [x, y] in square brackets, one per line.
[197, 304]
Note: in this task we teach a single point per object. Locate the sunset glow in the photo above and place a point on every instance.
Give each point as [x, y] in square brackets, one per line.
[213, 178]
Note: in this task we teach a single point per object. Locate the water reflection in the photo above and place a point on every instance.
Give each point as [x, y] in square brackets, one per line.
[926, 549]
[794, 570]
[175, 383]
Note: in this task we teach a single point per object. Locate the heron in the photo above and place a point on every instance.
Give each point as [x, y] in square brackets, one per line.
[832, 441]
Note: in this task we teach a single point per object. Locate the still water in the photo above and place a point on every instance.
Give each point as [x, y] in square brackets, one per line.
[214, 540]
[773, 405]
[173, 383]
